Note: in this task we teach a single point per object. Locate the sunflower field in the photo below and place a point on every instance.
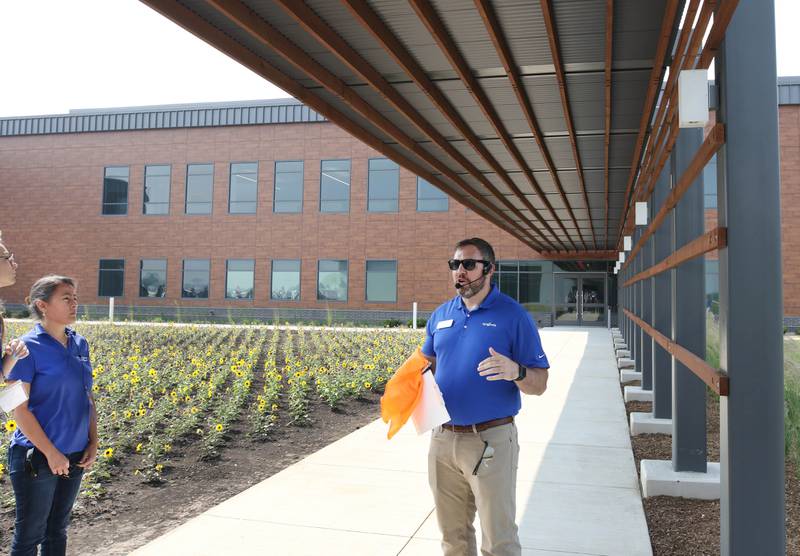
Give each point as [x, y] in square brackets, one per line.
[158, 388]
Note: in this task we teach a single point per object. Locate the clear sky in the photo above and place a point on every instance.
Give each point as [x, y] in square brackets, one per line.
[61, 54]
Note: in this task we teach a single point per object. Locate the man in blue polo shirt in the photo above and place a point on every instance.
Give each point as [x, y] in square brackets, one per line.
[485, 349]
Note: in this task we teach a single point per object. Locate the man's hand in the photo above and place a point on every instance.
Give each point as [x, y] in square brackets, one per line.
[498, 367]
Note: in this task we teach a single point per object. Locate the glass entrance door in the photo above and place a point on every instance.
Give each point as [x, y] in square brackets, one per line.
[580, 299]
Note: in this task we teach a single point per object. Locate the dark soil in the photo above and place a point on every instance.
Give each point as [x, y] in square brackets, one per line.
[132, 513]
[684, 527]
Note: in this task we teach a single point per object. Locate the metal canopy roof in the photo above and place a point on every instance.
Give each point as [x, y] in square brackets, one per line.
[529, 112]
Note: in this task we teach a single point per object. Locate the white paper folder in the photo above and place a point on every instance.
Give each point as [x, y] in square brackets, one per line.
[12, 396]
[430, 411]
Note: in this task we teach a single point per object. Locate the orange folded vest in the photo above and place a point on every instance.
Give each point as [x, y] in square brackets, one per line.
[403, 392]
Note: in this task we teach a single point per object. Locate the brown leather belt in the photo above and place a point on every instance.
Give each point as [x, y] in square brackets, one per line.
[478, 427]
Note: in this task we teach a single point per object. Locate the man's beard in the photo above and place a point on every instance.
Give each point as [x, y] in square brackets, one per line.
[471, 289]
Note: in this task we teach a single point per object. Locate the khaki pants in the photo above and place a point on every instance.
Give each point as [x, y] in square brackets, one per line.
[492, 491]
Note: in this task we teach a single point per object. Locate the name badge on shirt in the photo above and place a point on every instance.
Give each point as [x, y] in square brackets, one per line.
[444, 324]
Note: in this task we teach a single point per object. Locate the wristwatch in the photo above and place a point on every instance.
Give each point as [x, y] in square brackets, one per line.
[523, 372]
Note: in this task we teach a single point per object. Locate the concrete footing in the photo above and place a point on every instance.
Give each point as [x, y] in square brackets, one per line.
[660, 479]
[629, 375]
[636, 394]
[625, 363]
[645, 423]
[624, 353]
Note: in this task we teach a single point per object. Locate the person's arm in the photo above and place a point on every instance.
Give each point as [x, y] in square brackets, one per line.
[535, 381]
[90, 453]
[13, 352]
[499, 367]
[33, 431]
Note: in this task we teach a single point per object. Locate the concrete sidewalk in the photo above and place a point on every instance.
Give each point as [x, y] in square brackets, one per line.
[363, 495]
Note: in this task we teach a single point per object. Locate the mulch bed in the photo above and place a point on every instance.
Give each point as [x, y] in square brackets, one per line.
[132, 513]
[684, 527]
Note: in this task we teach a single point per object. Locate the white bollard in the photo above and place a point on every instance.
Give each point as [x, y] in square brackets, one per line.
[414, 316]
[111, 310]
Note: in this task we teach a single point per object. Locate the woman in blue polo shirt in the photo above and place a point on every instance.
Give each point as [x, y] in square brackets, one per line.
[56, 439]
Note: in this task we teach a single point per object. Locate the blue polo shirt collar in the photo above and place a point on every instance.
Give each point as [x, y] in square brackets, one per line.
[485, 304]
[40, 331]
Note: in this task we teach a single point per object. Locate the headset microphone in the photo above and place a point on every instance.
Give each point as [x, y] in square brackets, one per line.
[461, 285]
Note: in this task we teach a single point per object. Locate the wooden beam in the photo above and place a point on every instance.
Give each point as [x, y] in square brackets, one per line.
[580, 255]
[336, 45]
[512, 70]
[438, 30]
[552, 37]
[712, 143]
[201, 28]
[711, 241]
[667, 24]
[722, 17]
[660, 144]
[714, 378]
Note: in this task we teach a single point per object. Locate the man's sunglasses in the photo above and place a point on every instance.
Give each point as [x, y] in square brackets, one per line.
[468, 264]
[7, 256]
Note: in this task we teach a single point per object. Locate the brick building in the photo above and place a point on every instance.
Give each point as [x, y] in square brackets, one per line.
[266, 210]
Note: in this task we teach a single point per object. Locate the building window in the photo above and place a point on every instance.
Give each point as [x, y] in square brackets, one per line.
[112, 278]
[383, 186]
[332, 281]
[115, 190]
[288, 195]
[382, 281]
[153, 278]
[334, 186]
[199, 188]
[429, 197]
[286, 280]
[156, 189]
[243, 194]
[239, 280]
[196, 278]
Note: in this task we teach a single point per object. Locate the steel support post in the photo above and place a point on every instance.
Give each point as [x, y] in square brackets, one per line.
[662, 295]
[632, 269]
[647, 308]
[688, 324]
[751, 311]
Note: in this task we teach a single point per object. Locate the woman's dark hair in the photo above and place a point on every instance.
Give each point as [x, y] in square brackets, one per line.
[483, 246]
[42, 290]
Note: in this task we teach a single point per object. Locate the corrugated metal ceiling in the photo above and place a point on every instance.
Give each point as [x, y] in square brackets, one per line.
[580, 26]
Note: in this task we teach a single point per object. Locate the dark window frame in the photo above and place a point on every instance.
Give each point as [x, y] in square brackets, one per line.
[169, 191]
[446, 197]
[166, 275]
[366, 279]
[347, 281]
[186, 190]
[349, 185]
[275, 187]
[230, 186]
[183, 279]
[103, 192]
[369, 185]
[100, 270]
[299, 280]
[253, 272]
